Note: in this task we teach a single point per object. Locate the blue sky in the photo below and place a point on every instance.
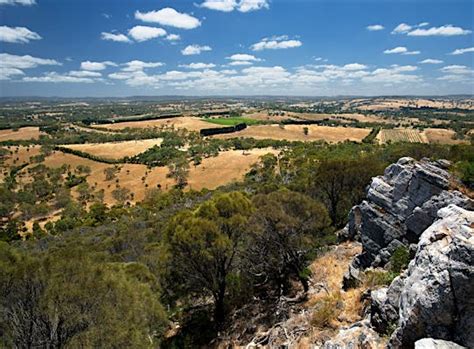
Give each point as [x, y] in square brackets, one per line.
[76, 48]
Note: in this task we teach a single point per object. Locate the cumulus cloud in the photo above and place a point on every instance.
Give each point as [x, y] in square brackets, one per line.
[170, 17]
[136, 65]
[420, 30]
[274, 43]
[375, 27]
[461, 51]
[402, 28]
[18, 2]
[17, 34]
[445, 30]
[12, 65]
[431, 61]
[96, 66]
[85, 74]
[456, 69]
[401, 50]
[237, 63]
[231, 5]
[395, 74]
[56, 78]
[243, 57]
[195, 50]
[198, 65]
[173, 37]
[143, 33]
[114, 37]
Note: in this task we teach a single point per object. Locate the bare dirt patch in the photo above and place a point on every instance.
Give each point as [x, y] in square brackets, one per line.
[115, 150]
[186, 122]
[442, 136]
[296, 133]
[23, 133]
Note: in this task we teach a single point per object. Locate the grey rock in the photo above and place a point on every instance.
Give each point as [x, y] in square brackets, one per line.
[435, 296]
[359, 335]
[430, 343]
[400, 205]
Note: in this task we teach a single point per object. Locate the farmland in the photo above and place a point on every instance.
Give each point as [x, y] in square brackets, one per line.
[23, 133]
[297, 133]
[442, 136]
[401, 135]
[232, 121]
[115, 150]
[187, 122]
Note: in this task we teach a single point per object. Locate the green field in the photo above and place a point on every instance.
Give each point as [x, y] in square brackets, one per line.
[232, 121]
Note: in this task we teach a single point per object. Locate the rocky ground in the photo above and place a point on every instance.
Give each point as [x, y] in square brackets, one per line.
[413, 206]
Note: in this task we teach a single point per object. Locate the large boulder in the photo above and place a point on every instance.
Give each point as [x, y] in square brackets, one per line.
[400, 205]
[430, 343]
[436, 293]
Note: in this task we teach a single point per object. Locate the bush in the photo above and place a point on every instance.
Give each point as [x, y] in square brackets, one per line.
[373, 278]
[399, 259]
[326, 310]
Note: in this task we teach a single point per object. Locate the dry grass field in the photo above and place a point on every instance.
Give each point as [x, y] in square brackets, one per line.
[394, 103]
[442, 136]
[401, 135]
[23, 133]
[115, 150]
[227, 167]
[296, 133]
[187, 122]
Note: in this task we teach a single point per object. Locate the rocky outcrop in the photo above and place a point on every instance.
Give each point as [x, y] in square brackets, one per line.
[360, 335]
[400, 205]
[430, 343]
[436, 293]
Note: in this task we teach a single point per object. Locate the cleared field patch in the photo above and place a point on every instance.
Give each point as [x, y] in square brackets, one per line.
[227, 167]
[187, 122]
[23, 133]
[401, 135]
[296, 133]
[442, 136]
[115, 150]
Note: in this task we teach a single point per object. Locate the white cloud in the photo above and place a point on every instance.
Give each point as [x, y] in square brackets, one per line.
[143, 33]
[399, 49]
[195, 50]
[431, 61]
[402, 28]
[17, 34]
[96, 66]
[231, 5]
[7, 73]
[85, 74]
[170, 17]
[445, 30]
[402, 50]
[461, 51]
[18, 2]
[395, 74]
[24, 62]
[173, 37]
[375, 27]
[252, 5]
[114, 37]
[136, 65]
[354, 66]
[457, 69]
[423, 24]
[237, 63]
[56, 78]
[275, 43]
[243, 57]
[198, 65]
